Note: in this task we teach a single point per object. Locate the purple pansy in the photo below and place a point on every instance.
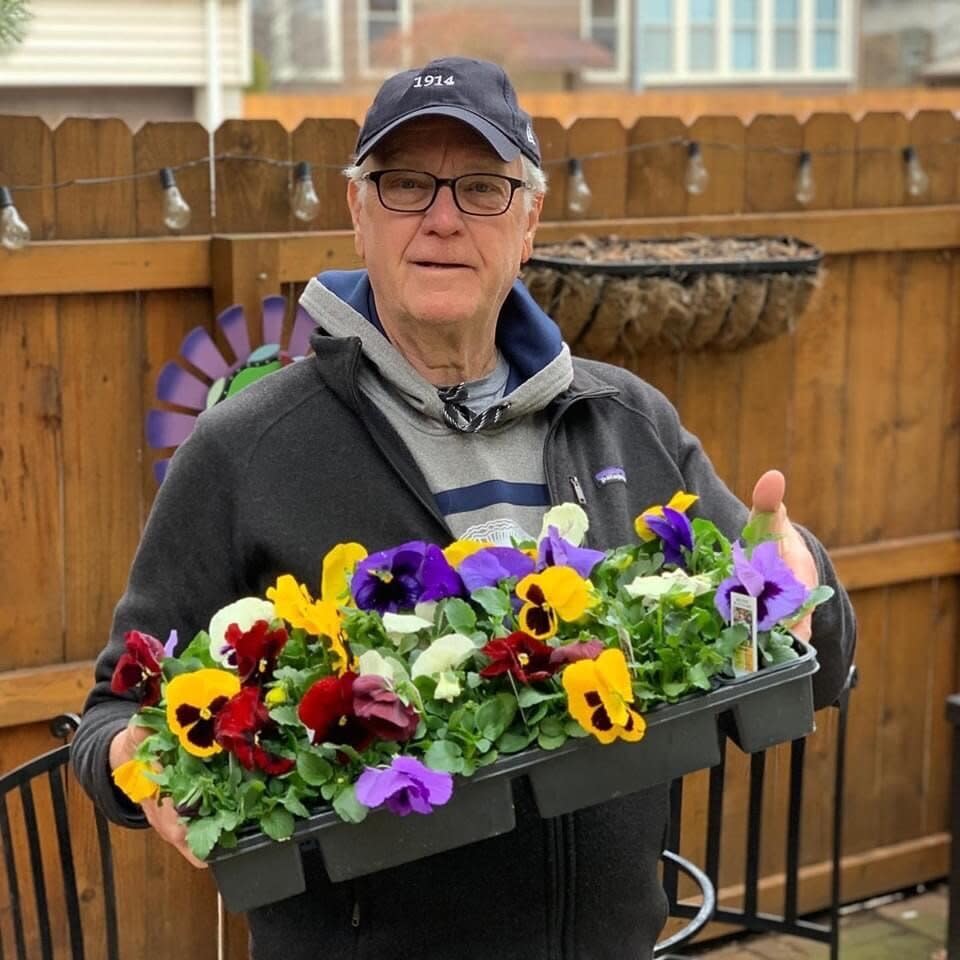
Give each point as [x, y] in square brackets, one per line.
[556, 552]
[763, 575]
[389, 581]
[406, 786]
[398, 579]
[675, 533]
[440, 580]
[487, 567]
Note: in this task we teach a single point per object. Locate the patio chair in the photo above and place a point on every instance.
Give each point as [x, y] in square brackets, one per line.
[40, 886]
[749, 917]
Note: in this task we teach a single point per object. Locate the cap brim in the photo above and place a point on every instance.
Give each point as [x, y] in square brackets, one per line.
[505, 148]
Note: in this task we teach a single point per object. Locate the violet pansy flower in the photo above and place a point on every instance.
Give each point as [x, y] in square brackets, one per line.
[554, 551]
[439, 578]
[675, 533]
[763, 575]
[389, 581]
[406, 786]
[487, 567]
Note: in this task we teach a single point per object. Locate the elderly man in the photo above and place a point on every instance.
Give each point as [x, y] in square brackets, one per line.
[441, 403]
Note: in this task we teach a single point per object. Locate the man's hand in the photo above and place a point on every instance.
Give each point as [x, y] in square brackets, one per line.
[161, 816]
[768, 502]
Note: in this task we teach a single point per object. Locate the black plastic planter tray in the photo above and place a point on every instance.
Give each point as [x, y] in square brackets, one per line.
[772, 706]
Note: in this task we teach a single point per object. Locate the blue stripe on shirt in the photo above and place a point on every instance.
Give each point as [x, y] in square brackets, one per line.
[479, 495]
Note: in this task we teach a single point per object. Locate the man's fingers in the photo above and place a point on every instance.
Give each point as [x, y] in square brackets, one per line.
[164, 819]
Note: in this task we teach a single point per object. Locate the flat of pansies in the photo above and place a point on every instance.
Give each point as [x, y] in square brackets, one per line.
[424, 661]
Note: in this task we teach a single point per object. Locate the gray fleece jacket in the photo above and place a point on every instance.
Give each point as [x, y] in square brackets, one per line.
[304, 459]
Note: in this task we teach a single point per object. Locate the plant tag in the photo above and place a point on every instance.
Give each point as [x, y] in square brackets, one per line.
[743, 609]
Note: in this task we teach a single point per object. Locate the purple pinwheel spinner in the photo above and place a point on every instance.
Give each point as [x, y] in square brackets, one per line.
[204, 376]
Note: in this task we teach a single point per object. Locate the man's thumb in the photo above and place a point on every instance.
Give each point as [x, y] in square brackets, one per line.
[768, 493]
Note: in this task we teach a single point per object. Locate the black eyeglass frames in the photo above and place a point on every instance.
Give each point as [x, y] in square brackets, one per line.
[414, 191]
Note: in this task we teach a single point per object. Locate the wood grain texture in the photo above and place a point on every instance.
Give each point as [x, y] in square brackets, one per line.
[327, 145]
[553, 148]
[157, 145]
[26, 159]
[606, 174]
[252, 195]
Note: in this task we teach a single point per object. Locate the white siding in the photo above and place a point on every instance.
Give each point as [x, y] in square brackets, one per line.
[126, 43]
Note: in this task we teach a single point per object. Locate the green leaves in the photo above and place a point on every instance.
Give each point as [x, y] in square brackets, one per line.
[278, 824]
[203, 834]
[314, 769]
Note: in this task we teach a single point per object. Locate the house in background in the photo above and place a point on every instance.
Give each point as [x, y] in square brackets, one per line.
[335, 45]
[909, 42]
[175, 60]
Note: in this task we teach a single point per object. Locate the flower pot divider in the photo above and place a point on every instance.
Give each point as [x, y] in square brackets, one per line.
[772, 706]
[612, 296]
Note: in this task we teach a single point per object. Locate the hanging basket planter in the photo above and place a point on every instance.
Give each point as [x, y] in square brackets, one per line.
[612, 296]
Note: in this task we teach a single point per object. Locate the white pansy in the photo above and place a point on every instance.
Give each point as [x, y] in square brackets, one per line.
[676, 580]
[569, 519]
[445, 653]
[400, 624]
[244, 612]
[697, 584]
[426, 609]
[648, 587]
[448, 687]
[372, 662]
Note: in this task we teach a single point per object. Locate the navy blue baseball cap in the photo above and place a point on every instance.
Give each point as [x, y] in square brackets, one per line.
[477, 92]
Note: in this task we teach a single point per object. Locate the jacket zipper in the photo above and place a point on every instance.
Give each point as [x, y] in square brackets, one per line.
[577, 490]
[551, 433]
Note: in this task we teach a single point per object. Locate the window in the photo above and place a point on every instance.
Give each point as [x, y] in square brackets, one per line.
[382, 25]
[786, 35]
[703, 35]
[300, 39]
[826, 39]
[736, 42]
[745, 35]
[605, 23]
[658, 26]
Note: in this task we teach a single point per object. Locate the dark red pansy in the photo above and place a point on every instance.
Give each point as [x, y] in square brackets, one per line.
[521, 655]
[138, 669]
[242, 725]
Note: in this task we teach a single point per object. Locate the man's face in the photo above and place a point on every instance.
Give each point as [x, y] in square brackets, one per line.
[442, 267]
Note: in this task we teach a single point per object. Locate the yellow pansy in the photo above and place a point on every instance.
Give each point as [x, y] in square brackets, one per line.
[131, 777]
[337, 565]
[458, 551]
[599, 697]
[275, 697]
[557, 592]
[320, 618]
[680, 501]
[193, 702]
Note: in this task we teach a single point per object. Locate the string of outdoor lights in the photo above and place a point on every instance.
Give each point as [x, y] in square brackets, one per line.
[305, 204]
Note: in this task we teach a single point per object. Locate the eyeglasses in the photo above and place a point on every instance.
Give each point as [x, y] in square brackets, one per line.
[413, 191]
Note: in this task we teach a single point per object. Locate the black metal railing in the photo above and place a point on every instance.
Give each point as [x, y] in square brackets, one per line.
[750, 917]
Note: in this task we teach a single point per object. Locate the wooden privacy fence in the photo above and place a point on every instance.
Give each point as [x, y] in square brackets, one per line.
[860, 407]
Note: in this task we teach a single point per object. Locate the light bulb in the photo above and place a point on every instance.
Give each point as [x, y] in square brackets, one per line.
[804, 188]
[578, 190]
[306, 203]
[176, 211]
[697, 176]
[14, 233]
[918, 182]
